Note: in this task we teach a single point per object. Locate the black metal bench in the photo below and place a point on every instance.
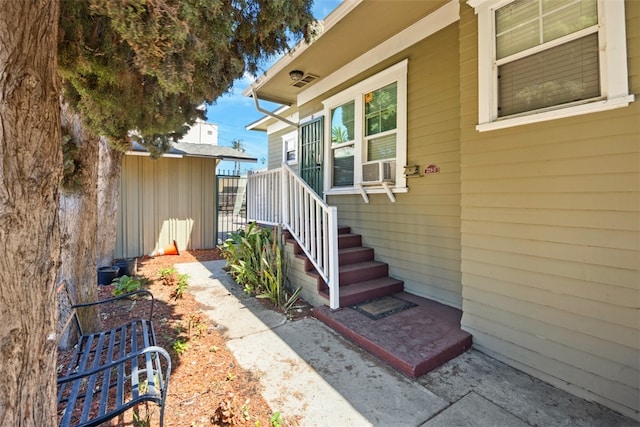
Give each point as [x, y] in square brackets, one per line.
[111, 371]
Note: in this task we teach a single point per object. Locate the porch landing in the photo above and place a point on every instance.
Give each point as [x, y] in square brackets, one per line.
[414, 341]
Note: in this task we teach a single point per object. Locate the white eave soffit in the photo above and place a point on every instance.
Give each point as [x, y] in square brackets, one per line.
[333, 18]
[430, 24]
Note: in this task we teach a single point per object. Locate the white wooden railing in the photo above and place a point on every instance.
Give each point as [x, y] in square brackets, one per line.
[281, 197]
[264, 197]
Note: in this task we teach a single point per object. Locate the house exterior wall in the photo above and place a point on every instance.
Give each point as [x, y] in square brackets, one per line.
[298, 278]
[419, 234]
[276, 149]
[551, 239]
[164, 200]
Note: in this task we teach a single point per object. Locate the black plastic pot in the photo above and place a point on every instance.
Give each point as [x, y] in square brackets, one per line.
[127, 266]
[107, 274]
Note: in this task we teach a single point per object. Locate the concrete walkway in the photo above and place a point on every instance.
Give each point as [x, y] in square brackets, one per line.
[312, 374]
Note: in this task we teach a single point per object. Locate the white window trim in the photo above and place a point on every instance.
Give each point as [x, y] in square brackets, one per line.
[396, 73]
[613, 71]
[289, 137]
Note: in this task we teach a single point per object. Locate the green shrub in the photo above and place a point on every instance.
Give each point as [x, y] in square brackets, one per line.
[181, 286]
[179, 346]
[170, 277]
[167, 275]
[256, 261]
[125, 284]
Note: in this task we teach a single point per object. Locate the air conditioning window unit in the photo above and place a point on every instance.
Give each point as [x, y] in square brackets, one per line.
[379, 172]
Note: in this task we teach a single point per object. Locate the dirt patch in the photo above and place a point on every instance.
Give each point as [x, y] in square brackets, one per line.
[207, 386]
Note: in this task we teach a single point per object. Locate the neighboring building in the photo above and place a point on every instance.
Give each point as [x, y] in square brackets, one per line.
[490, 152]
[171, 198]
[202, 132]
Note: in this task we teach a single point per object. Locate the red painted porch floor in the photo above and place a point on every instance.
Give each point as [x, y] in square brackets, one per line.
[414, 341]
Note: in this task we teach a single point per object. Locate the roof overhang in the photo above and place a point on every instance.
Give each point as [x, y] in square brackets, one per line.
[264, 123]
[184, 149]
[352, 29]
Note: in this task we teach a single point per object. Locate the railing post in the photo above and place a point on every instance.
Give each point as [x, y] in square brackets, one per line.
[284, 188]
[334, 277]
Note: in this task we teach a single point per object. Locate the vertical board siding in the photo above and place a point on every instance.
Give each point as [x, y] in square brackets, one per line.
[551, 239]
[164, 200]
[419, 234]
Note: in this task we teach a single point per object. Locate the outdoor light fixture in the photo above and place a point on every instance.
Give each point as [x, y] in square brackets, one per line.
[412, 170]
[295, 75]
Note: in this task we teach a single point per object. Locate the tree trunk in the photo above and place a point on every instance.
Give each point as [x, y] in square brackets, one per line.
[110, 167]
[30, 171]
[78, 223]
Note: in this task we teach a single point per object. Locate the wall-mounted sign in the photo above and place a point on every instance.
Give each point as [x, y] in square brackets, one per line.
[432, 169]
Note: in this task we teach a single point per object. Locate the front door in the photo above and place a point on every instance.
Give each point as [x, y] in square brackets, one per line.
[311, 154]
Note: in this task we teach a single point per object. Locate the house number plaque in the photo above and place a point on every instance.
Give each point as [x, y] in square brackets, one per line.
[432, 169]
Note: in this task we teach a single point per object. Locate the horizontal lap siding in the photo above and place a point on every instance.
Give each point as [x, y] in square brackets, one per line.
[419, 234]
[164, 200]
[551, 239]
[275, 154]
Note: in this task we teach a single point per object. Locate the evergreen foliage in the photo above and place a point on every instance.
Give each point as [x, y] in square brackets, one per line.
[146, 65]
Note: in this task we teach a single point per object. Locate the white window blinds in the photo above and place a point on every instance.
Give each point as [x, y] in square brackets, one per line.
[561, 75]
[532, 75]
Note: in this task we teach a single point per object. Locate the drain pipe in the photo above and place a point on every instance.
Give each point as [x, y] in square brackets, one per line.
[269, 113]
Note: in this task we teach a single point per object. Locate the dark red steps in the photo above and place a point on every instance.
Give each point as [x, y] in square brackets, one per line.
[414, 341]
[361, 277]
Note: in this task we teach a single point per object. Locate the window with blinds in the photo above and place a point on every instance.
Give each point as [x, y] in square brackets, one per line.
[380, 109]
[342, 144]
[546, 53]
[366, 129]
[380, 116]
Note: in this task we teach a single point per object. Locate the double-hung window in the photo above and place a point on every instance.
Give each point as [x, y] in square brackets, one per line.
[367, 128]
[290, 148]
[342, 144]
[545, 59]
[381, 125]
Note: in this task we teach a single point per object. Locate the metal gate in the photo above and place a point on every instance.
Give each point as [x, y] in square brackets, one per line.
[312, 153]
[232, 204]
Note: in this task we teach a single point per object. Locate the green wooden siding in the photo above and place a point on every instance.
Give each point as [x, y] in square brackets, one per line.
[551, 239]
[419, 234]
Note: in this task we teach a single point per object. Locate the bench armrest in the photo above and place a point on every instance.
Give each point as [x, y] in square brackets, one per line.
[114, 387]
[104, 301]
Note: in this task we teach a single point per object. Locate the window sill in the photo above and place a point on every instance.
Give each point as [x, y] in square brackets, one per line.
[577, 110]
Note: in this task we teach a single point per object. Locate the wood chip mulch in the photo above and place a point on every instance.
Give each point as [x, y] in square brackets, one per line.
[207, 385]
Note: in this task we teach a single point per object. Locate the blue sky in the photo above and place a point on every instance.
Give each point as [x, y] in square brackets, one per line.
[233, 111]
